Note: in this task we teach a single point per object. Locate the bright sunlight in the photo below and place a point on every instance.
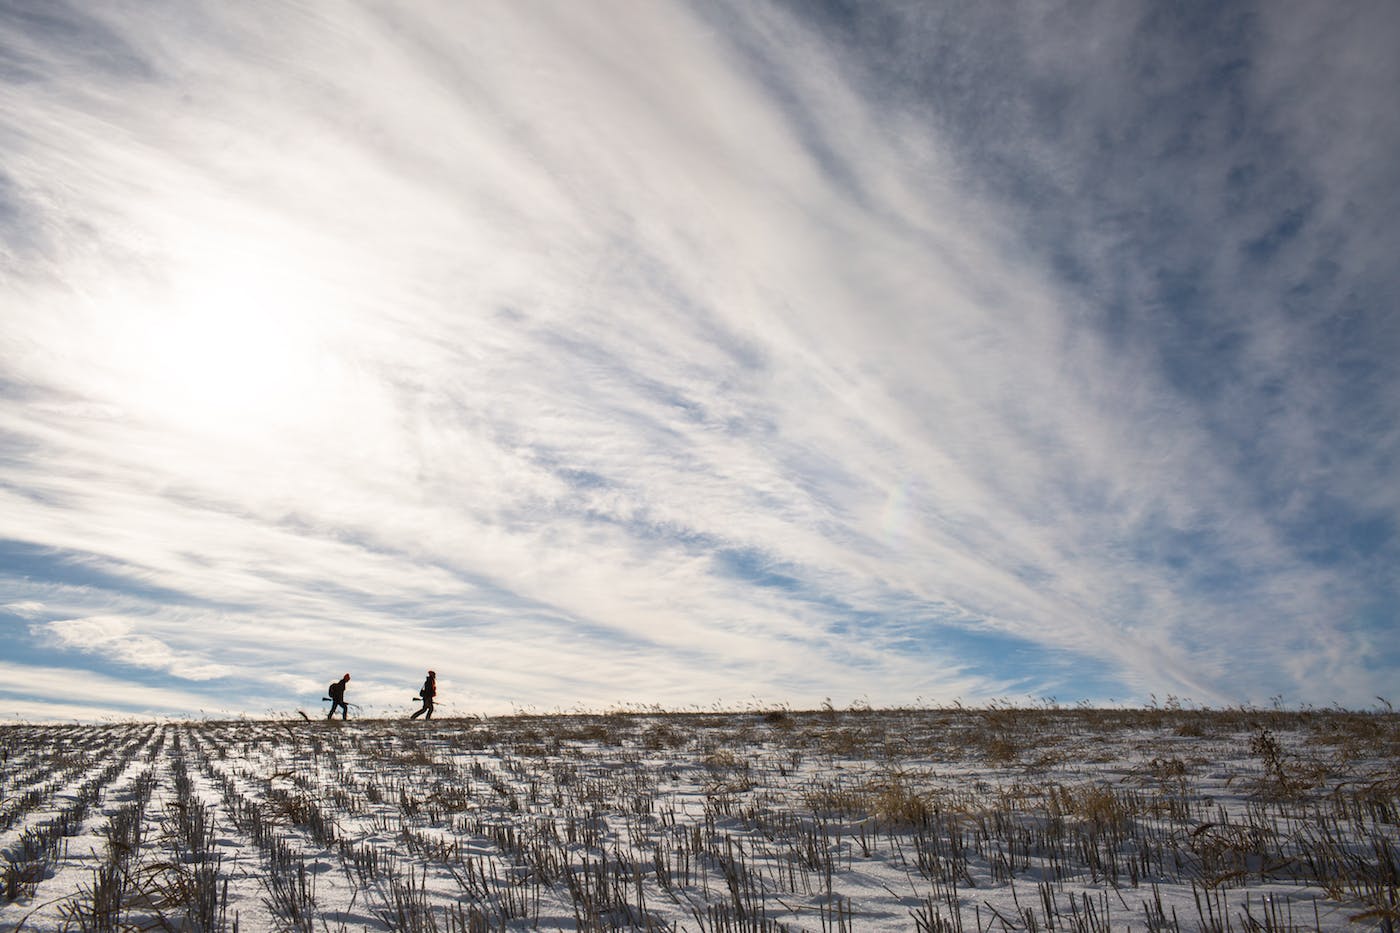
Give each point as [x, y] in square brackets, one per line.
[234, 352]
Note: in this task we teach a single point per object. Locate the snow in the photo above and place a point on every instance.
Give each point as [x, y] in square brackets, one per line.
[996, 819]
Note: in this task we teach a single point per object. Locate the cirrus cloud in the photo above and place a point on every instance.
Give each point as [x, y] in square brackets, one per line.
[680, 354]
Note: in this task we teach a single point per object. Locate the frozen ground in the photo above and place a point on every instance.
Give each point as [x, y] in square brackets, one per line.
[930, 820]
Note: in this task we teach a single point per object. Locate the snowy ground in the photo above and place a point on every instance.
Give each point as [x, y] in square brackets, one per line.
[934, 820]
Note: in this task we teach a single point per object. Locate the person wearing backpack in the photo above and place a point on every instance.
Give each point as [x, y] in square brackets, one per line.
[427, 693]
[337, 698]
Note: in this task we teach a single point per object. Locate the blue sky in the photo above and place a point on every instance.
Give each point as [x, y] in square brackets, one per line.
[692, 354]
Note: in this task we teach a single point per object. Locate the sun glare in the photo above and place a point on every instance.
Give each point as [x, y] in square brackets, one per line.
[232, 354]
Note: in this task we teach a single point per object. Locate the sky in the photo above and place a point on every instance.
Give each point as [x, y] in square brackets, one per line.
[688, 355]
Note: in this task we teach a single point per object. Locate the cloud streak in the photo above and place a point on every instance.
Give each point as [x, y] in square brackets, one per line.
[698, 354]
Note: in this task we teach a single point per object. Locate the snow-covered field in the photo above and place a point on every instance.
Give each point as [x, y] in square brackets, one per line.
[927, 820]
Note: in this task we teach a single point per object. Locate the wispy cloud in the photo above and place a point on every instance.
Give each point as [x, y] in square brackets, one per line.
[684, 355]
[30, 692]
[121, 640]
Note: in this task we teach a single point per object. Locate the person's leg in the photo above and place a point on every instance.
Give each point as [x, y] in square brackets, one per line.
[428, 709]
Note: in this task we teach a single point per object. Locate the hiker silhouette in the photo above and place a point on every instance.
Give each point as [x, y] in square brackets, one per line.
[337, 698]
[426, 694]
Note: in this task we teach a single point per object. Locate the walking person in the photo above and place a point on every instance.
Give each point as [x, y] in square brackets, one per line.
[427, 693]
[337, 698]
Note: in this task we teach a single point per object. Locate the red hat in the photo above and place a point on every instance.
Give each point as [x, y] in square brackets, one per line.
[346, 677]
